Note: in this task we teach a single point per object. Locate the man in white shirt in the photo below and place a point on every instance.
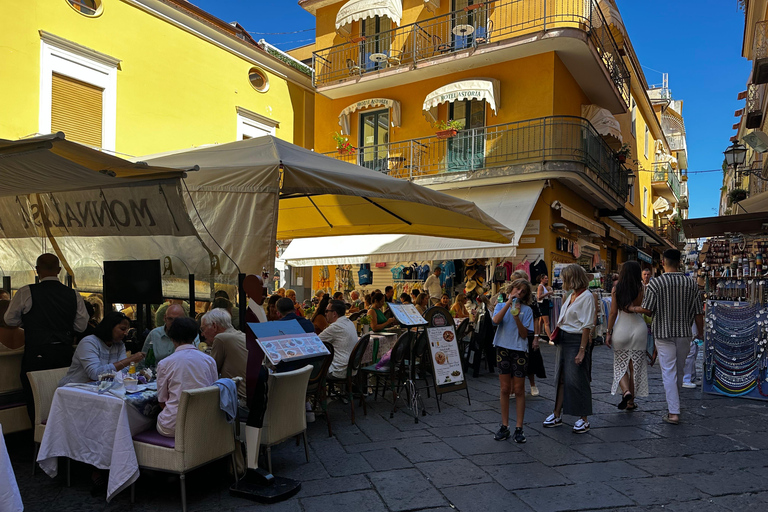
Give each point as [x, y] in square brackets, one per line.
[342, 334]
[162, 345]
[432, 285]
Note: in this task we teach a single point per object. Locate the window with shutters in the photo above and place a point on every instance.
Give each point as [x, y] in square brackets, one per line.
[76, 110]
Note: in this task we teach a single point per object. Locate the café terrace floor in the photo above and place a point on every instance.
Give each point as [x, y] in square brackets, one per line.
[715, 460]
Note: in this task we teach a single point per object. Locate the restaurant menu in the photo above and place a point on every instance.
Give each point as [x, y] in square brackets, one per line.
[292, 347]
[445, 355]
[407, 314]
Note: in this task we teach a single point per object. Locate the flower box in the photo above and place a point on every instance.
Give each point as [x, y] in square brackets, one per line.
[446, 134]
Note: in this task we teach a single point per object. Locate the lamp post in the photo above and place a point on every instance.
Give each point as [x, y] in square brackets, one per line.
[735, 155]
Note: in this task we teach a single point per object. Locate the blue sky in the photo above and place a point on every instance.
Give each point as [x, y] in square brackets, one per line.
[698, 42]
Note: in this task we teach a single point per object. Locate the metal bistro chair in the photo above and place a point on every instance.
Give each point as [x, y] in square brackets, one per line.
[465, 329]
[353, 367]
[316, 388]
[354, 68]
[396, 373]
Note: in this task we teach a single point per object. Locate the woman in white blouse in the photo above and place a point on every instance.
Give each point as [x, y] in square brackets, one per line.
[577, 318]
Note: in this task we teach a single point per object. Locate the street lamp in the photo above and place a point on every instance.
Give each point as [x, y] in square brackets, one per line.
[735, 155]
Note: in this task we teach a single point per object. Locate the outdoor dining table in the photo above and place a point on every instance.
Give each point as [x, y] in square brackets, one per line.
[97, 429]
[380, 344]
[10, 499]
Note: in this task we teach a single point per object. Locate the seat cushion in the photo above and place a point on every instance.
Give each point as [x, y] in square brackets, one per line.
[13, 405]
[372, 369]
[151, 436]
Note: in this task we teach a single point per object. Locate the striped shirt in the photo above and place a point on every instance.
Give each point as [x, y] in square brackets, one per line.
[674, 300]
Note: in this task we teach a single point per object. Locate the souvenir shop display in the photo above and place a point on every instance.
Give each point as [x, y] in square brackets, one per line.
[734, 269]
[735, 356]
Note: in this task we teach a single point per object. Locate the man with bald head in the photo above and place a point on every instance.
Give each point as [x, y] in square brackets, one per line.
[162, 345]
[51, 313]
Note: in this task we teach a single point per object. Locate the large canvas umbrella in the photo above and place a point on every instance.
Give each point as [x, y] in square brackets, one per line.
[249, 194]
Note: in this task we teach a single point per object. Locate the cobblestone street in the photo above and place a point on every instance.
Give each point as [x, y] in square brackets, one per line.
[629, 461]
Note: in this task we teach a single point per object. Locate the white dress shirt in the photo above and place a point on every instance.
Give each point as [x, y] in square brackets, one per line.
[22, 302]
[92, 358]
[580, 315]
[342, 334]
[432, 285]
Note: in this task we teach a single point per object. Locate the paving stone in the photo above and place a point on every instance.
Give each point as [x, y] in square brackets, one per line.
[356, 500]
[656, 490]
[600, 471]
[426, 452]
[622, 434]
[722, 483]
[406, 489]
[745, 460]
[386, 459]
[555, 454]
[334, 485]
[458, 431]
[474, 445]
[741, 502]
[669, 466]
[500, 459]
[703, 505]
[524, 476]
[573, 497]
[484, 497]
[450, 473]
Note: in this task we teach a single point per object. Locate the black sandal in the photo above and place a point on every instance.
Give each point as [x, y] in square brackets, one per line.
[625, 400]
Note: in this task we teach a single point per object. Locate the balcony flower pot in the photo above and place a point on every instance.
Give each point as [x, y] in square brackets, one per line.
[446, 134]
[621, 158]
[737, 194]
[623, 153]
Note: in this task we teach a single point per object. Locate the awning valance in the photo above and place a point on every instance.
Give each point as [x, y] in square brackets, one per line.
[509, 205]
[577, 218]
[602, 120]
[613, 18]
[367, 103]
[356, 10]
[661, 205]
[475, 89]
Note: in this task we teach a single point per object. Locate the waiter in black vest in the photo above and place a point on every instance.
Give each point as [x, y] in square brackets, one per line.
[50, 313]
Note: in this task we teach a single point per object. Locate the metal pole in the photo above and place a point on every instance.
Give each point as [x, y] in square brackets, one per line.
[192, 295]
[7, 283]
[69, 280]
[241, 300]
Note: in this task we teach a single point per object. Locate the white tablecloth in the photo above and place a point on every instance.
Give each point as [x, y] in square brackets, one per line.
[95, 429]
[10, 499]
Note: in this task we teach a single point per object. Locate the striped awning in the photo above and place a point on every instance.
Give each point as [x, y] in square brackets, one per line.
[571, 215]
[475, 89]
[356, 10]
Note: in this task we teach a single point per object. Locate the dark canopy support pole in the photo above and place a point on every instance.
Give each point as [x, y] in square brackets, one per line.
[192, 312]
[241, 300]
[7, 283]
[69, 280]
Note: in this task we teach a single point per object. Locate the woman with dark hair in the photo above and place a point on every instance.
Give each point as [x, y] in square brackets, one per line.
[379, 322]
[272, 308]
[101, 352]
[318, 319]
[630, 339]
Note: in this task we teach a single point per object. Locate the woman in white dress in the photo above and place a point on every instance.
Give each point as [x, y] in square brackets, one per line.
[628, 335]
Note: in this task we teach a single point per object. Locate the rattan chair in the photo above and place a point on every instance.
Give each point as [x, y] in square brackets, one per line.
[286, 414]
[202, 436]
[13, 406]
[43, 384]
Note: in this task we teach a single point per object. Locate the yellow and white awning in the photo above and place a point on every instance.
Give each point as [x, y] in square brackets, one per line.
[475, 89]
[613, 19]
[661, 205]
[367, 103]
[602, 120]
[356, 10]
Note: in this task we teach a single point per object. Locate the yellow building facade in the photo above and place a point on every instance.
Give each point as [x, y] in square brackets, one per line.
[519, 106]
[138, 77]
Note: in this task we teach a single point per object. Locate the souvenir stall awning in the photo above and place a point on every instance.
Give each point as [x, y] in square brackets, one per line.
[253, 192]
[509, 205]
[754, 204]
[368, 103]
[744, 224]
[475, 89]
[356, 10]
[577, 218]
[602, 120]
[627, 220]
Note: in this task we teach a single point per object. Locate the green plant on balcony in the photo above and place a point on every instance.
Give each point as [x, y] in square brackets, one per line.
[343, 146]
[736, 195]
[624, 153]
[447, 129]
[677, 222]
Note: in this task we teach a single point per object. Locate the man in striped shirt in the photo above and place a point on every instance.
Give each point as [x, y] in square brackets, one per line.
[674, 303]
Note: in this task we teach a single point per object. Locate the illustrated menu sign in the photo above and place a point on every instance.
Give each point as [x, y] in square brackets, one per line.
[279, 349]
[407, 314]
[444, 347]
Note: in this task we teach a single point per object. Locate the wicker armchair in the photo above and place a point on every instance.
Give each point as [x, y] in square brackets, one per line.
[43, 384]
[202, 436]
[13, 407]
[286, 409]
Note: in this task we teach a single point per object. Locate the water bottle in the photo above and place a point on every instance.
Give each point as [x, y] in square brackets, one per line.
[150, 359]
[515, 308]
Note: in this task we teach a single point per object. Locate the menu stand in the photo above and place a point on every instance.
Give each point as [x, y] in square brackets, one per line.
[408, 315]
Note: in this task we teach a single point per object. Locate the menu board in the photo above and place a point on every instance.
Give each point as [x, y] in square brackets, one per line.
[446, 359]
[294, 347]
[407, 314]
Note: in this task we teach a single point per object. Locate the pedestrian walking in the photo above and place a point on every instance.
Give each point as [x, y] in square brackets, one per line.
[574, 327]
[535, 361]
[514, 319]
[674, 303]
[543, 293]
[628, 336]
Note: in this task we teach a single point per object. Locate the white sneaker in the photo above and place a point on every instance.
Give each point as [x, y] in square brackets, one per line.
[689, 385]
[534, 391]
[552, 421]
[511, 396]
[581, 426]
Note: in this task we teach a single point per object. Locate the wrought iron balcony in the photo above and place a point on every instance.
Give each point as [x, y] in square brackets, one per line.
[755, 106]
[665, 181]
[668, 230]
[506, 146]
[760, 69]
[479, 24]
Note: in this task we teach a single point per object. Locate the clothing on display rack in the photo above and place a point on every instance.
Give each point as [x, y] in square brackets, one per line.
[538, 268]
[364, 275]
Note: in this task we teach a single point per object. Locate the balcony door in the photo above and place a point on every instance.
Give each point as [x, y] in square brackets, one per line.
[378, 39]
[374, 140]
[469, 23]
[466, 151]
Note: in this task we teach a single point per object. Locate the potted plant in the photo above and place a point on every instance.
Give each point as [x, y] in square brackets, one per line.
[677, 222]
[343, 146]
[736, 195]
[364, 322]
[624, 153]
[447, 129]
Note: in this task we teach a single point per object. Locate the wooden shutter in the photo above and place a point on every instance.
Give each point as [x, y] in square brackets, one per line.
[76, 110]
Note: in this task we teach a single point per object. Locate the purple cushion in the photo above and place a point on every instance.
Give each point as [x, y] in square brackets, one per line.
[151, 436]
[12, 406]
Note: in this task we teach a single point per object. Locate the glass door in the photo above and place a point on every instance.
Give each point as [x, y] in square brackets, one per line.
[374, 140]
[466, 151]
[377, 34]
[469, 23]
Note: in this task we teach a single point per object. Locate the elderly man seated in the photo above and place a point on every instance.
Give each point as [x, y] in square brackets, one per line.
[186, 368]
[287, 311]
[228, 348]
[342, 334]
[162, 345]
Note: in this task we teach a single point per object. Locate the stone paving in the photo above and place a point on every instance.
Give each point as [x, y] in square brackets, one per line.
[716, 459]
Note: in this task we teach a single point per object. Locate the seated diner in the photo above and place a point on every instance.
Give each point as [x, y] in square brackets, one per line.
[379, 322]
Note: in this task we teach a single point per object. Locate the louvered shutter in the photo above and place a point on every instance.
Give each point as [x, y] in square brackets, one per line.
[76, 110]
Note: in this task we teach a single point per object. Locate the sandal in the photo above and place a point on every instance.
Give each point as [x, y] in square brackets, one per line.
[666, 419]
[631, 406]
[625, 400]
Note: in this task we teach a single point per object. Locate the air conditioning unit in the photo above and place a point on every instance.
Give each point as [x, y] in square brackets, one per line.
[758, 140]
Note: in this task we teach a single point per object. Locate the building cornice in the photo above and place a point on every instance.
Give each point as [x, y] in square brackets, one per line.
[78, 49]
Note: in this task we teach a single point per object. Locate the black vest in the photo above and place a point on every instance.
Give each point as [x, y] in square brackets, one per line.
[52, 316]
